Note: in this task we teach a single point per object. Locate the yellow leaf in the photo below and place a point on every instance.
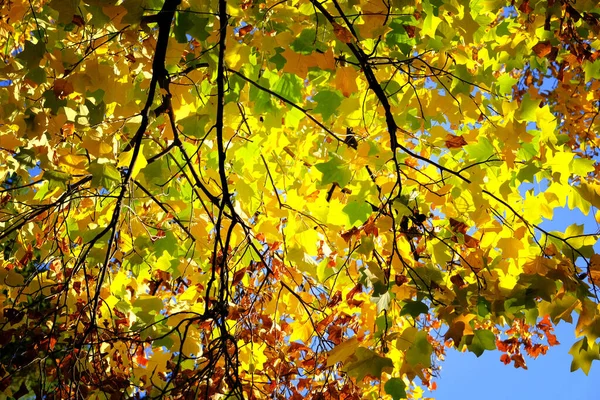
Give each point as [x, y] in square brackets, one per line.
[126, 159]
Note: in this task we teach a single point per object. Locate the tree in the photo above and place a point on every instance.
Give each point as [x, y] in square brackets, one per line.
[294, 198]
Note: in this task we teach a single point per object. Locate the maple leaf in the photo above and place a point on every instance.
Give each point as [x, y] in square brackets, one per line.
[191, 185]
[342, 33]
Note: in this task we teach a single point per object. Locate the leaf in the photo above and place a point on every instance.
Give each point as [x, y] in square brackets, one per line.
[126, 160]
[396, 388]
[480, 151]
[365, 363]
[342, 33]
[290, 87]
[414, 308]
[455, 142]
[383, 302]
[357, 212]
[147, 307]
[104, 175]
[542, 49]
[583, 355]
[482, 340]
[66, 9]
[419, 351]
[327, 103]
[194, 125]
[334, 171]
[32, 53]
[342, 351]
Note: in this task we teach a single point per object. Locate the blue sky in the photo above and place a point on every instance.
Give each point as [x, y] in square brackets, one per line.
[466, 377]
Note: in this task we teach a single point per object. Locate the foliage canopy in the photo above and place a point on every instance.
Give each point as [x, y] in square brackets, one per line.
[291, 198]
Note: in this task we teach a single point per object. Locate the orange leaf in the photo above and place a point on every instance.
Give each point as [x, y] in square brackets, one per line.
[542, 49]
[471, 242]
[244, 30]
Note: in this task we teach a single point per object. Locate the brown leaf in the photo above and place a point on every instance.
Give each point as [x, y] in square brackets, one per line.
[78, 20]
[348, 234]
[342, 33]
[238, 275]
[455, 332]
[457, 226]
[455, 142]
[62, 88]
[519, 361]
[458, 281]
[410, 30]
[400, 279]
[525, 7]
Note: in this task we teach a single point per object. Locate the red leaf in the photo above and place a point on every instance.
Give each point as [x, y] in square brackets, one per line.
[505, 358]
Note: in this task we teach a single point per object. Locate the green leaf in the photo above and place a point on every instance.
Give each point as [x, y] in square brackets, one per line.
[482, 340]
[56, 179]
[37, 75]
[505, 84]
[187, 23]
[146, 307]
[480, 151]
[104, 175]
[194, 125]
[342, 351]
[583, 355]
[66, 9]
[592, 70]
[396, 388]
[414, 308]
[528, 108]
[26, 157]
[290, 87]
[365, 363]
[328, 102]
[334, 171]
[483, 307]
[305, 42]
[358, 212]
[419, 352]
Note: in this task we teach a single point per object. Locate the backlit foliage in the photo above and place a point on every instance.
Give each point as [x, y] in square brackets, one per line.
[291, 199]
